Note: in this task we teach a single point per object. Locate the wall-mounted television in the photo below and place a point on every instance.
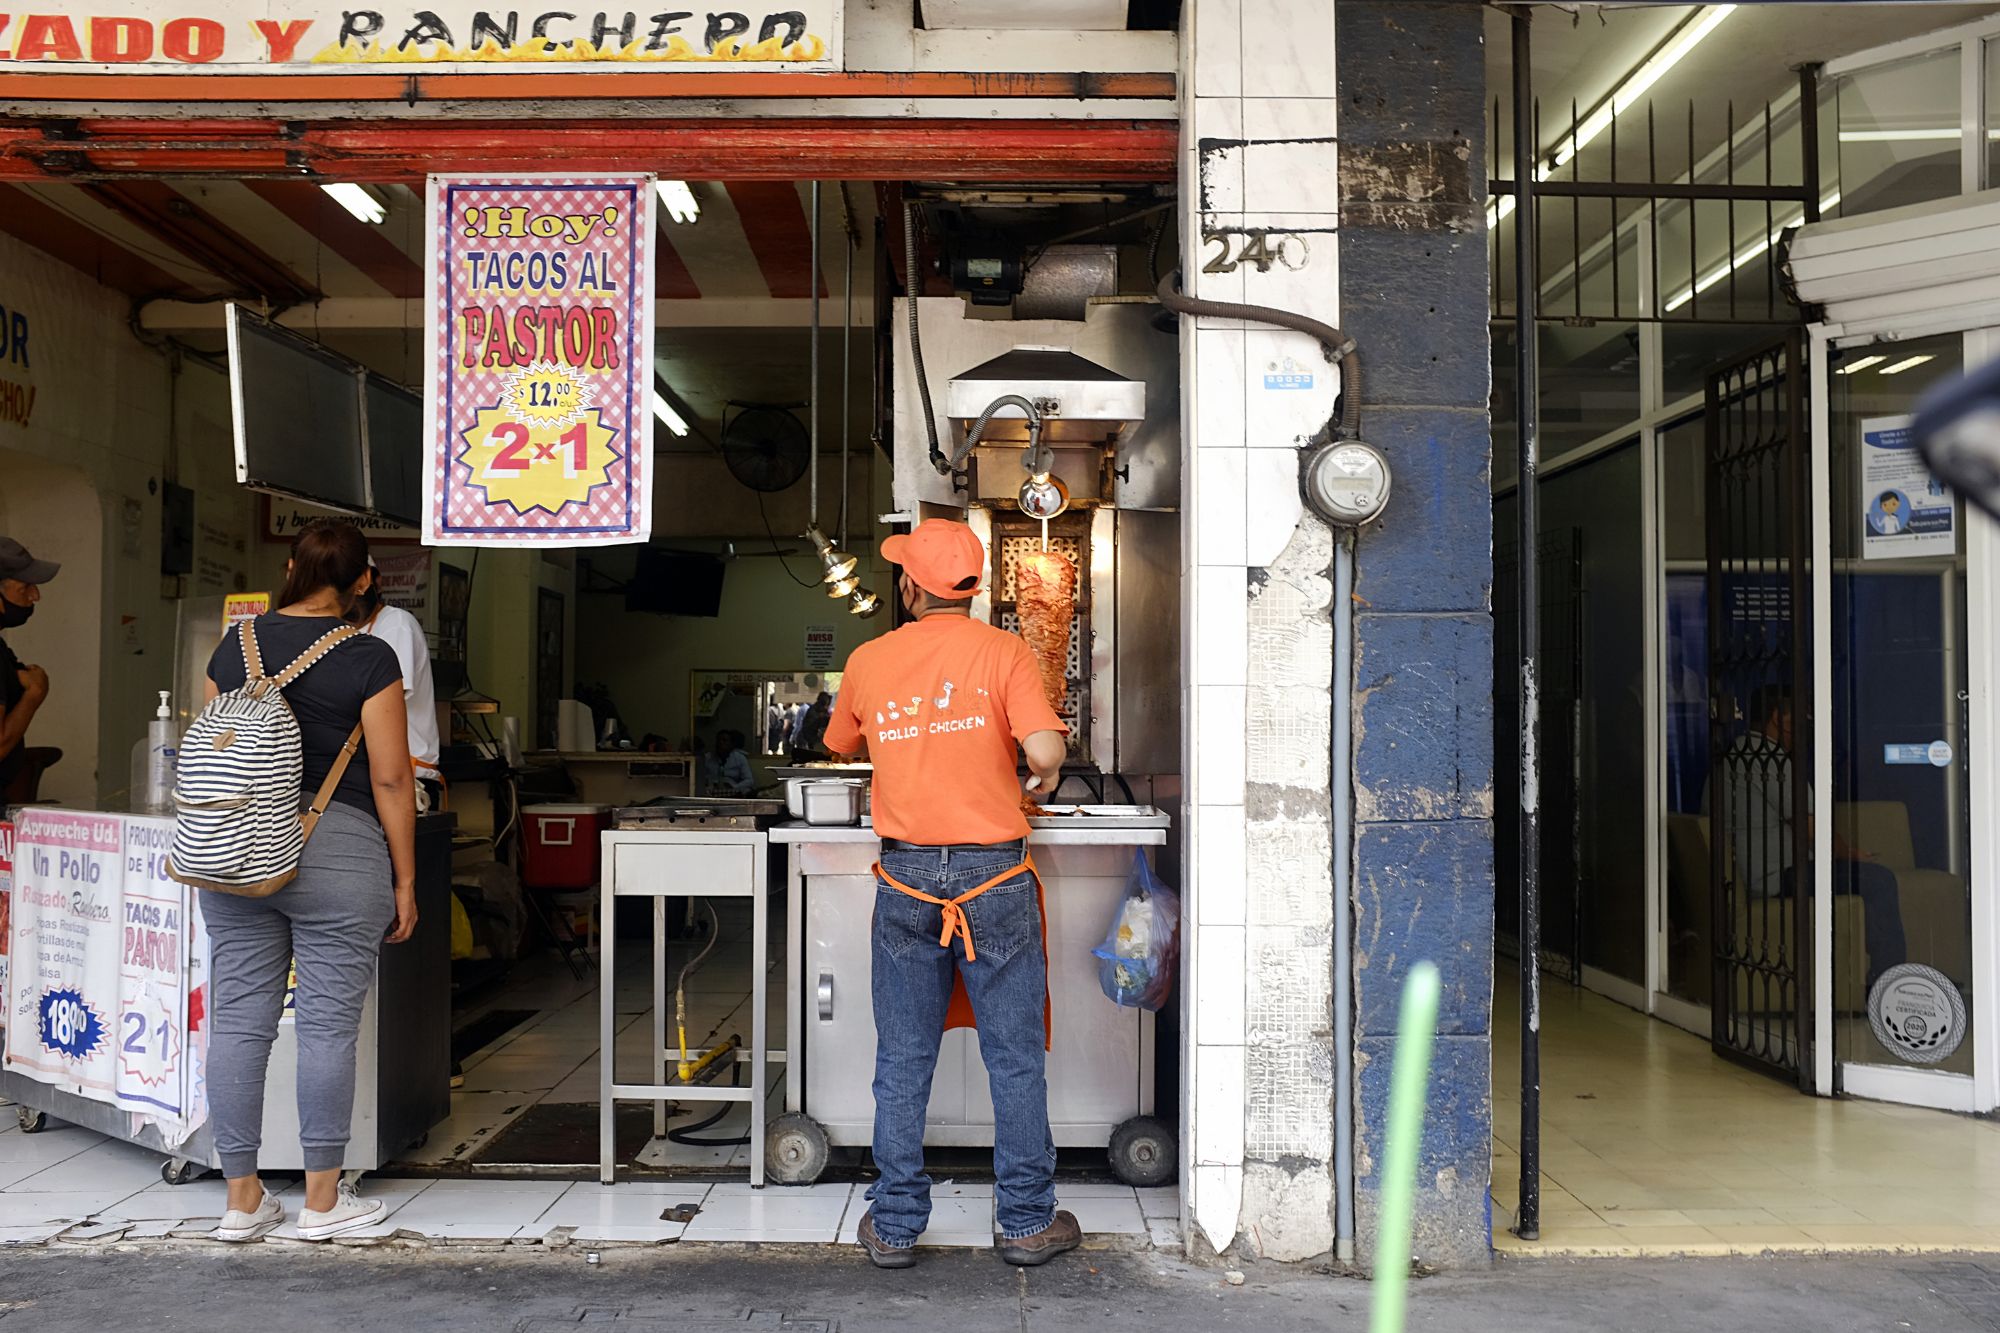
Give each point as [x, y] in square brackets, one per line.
[675, 583]
[314, 425]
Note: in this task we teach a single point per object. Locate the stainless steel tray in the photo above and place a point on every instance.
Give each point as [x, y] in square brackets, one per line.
[1099, 816]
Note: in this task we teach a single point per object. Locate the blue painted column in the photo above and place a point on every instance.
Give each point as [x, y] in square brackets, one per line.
[1413, 293]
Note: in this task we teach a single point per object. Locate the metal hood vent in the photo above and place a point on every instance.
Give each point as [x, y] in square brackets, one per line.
[1081, 401]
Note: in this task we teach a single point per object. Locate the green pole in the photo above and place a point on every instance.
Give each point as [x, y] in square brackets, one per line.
[1403, 1135]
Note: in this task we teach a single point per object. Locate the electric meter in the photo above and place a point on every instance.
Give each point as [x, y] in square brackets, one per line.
[1347, 482]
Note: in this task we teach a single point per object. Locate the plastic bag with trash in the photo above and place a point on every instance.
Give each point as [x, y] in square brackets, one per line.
[1137, 961]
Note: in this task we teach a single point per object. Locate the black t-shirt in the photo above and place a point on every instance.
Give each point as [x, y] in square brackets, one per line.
[12, 691]
[326, 700]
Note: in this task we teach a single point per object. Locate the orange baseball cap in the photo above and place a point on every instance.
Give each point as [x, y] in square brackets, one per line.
[943, 557]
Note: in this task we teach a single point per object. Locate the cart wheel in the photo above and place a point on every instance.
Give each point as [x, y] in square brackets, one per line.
[31, 1122]
[795, 1149]
[176, 1172]
[1144, 1152]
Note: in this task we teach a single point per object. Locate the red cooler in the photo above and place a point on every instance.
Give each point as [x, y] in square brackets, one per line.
[561, 844]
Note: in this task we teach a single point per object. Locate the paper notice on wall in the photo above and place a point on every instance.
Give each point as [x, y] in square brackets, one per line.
[243, 606]
[1905, 511]
[819, 647]
[152, 983]
[63, 974]
[405, 580]
[197, 1026]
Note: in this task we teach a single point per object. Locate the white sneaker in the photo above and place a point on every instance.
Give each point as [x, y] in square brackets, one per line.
[349, 1212]
[239, 1226]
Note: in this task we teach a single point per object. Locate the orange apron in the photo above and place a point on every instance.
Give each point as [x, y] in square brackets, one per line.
[958, 1014]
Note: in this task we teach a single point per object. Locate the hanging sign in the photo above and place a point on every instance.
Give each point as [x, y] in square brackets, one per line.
[538, 408]
[405, 580]
[151, 1038]
[1905, 511]
[63, 984]
[264, 37]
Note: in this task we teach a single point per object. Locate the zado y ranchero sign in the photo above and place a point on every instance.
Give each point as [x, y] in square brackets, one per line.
[262, 36]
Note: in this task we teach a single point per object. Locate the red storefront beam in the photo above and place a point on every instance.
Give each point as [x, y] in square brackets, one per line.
[405, 151]
[609, 84]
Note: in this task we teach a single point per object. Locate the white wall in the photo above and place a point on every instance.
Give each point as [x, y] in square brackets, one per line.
[80, 483]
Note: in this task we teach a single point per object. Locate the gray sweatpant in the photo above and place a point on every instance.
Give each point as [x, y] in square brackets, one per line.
[332, 920]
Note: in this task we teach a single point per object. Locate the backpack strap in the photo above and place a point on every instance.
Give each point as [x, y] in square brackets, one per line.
[310, 819]
[253, 657]
[319, 648]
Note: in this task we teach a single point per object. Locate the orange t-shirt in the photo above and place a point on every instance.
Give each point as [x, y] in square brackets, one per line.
[941, 704]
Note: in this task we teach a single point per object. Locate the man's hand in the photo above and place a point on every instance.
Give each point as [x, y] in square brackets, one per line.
[34, 683]
[1045, 751]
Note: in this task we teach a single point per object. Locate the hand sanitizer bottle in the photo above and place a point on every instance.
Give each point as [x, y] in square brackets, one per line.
[153, 762]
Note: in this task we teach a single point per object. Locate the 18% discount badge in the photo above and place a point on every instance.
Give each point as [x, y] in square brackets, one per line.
[545, 445]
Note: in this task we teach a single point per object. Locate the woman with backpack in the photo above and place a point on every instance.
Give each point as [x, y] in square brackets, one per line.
[355, 884]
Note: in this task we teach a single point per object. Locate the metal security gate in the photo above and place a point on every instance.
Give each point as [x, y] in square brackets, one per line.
[1759, 710]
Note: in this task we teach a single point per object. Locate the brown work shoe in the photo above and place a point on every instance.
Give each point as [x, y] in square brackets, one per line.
[1058, 1237]
[880, 1252]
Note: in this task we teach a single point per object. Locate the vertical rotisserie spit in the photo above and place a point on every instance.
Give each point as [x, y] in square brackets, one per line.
[1045, 600]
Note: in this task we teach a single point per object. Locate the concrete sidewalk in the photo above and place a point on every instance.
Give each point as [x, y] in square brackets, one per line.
[702, 1289]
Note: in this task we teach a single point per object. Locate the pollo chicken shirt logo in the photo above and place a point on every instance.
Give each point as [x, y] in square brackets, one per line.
[903, 719]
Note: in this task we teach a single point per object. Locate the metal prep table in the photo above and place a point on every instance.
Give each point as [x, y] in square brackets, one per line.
[1100, 1066]
[694, 849]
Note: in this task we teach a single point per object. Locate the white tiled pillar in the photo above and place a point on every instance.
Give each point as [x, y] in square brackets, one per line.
[1257, 89]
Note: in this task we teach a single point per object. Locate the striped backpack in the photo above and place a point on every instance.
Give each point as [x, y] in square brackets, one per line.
[240, 772]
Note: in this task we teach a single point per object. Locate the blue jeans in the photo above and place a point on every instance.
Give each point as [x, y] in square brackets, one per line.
[1007, 984]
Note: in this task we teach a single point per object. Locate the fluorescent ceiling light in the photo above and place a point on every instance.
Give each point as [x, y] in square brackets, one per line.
[669, 418]
[358, 200]
[1636, 84]
[1743, 256]
[1908, 363]
[1857, 367]
[678, 200]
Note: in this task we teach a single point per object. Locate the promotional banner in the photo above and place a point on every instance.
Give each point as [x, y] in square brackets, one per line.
[63, 985]
[405, 580]
[264, 37]
[152, 981]
[1905, 511]
[538, 405]
[6, 911]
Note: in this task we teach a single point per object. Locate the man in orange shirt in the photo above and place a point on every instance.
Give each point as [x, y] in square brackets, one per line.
[939, 706]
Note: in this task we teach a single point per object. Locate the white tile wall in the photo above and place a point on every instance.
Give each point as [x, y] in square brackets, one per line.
[1260, 71]
[1219, 654]
[1273, 484]
[1221, 860]
[1218, 44]
[1217, 778]
[1219, 1020]
[1218, 378]
[1219, 517]
[1287, 49]
[1218, 1124]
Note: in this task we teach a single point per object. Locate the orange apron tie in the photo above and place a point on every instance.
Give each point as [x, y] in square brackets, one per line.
[959, 1014]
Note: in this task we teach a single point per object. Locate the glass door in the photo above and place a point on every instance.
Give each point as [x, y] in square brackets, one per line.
[1901, 900]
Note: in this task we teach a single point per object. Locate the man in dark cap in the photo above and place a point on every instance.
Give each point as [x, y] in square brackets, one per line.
[22, 687]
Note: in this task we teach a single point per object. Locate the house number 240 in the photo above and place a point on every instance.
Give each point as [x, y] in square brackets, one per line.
[1233, 249]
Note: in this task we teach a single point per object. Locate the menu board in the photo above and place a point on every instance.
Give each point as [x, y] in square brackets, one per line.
[152, 975]
[63, 986]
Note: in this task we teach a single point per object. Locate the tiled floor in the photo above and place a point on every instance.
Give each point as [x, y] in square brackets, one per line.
[91, 1187]
[67, 1183]
[1651, 1144]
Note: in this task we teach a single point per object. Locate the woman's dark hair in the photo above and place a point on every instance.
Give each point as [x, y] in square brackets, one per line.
[369, 602]
[327, 554]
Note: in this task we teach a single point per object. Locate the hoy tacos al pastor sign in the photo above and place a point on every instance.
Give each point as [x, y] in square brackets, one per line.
[266, 36]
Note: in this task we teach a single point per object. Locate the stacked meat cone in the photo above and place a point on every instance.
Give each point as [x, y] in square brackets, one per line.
[1045, 600]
